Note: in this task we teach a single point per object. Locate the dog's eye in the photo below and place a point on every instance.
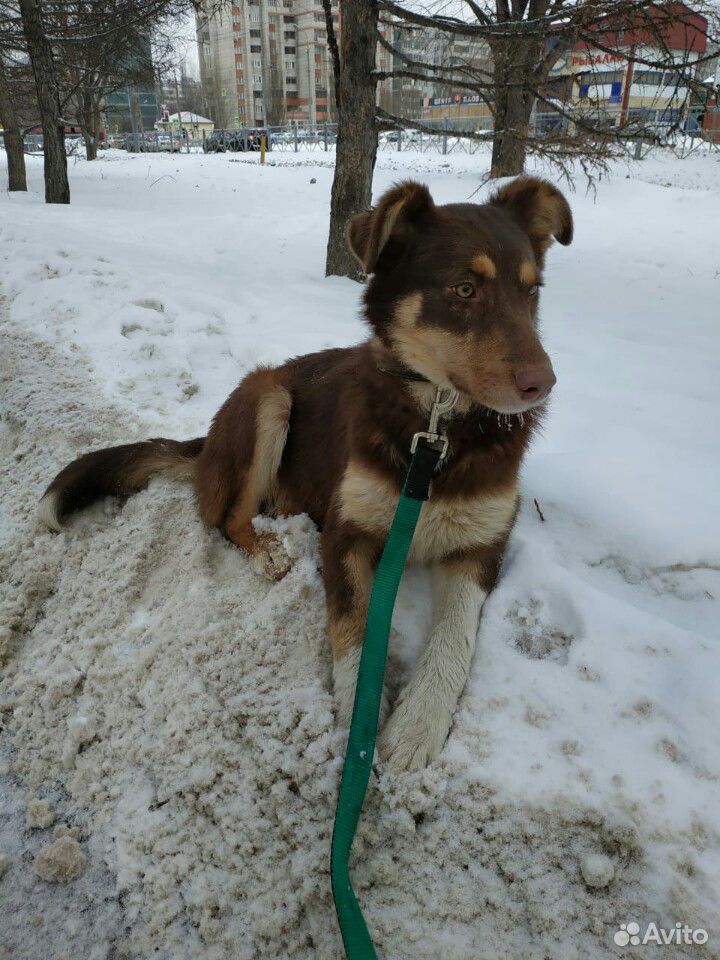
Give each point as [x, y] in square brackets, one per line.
[464, 290]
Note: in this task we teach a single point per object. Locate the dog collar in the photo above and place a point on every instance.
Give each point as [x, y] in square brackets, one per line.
[404, 373]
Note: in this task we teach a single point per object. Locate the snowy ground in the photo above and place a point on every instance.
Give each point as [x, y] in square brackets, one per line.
[174, 708]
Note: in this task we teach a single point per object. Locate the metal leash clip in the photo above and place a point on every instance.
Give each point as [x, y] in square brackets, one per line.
[445, 400]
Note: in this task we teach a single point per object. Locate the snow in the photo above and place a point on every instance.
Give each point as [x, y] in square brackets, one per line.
[173, 710]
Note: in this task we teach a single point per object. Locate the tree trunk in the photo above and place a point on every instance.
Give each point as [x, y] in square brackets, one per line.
[90, 147]
[510, 143]
[90, 126]
[13, 135]
[357, 133]
[57, 188]
[513, 106]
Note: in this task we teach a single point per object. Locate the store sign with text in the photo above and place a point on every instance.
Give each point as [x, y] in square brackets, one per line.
[581, 60]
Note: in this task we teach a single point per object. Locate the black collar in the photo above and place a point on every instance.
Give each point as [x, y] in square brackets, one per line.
[404, 373]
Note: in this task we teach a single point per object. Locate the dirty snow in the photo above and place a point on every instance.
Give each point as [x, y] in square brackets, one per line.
[168, 711]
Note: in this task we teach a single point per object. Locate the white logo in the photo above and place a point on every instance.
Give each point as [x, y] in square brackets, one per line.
[629, 935]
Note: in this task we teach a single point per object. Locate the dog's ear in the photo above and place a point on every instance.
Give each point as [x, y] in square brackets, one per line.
[394, 218]
[541, 210]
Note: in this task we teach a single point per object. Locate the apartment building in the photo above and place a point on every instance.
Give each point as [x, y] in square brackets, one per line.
[266, 62]
[409, 97]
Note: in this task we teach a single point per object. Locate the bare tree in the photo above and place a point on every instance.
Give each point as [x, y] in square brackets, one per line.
[104, 46]
[526, 39]
[42, 59]
[80, 51]
[12, 135]
[357, 133]
[115, 56]
[275, 96]
[192, 98]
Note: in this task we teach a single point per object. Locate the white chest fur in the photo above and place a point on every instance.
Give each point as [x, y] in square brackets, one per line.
[445, 526]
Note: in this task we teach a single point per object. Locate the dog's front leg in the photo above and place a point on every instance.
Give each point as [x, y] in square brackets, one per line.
[419, 725]
[349, 562]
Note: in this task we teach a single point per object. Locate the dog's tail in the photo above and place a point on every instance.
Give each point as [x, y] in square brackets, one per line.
[116, 470]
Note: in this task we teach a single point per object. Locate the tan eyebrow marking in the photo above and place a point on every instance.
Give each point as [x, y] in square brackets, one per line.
[483, 265]
[528, 273]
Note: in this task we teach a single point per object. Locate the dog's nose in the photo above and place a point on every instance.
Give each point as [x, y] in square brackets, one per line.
[535, 382]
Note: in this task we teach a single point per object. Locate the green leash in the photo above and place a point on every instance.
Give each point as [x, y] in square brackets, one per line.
[371, 675]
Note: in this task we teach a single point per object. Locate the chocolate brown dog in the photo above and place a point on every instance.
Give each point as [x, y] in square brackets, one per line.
[452, 302]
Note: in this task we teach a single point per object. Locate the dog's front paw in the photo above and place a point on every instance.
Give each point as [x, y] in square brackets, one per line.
[345, 671]
[414, 735]
[269, 558]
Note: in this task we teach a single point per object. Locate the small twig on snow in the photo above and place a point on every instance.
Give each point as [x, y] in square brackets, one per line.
[162, 178]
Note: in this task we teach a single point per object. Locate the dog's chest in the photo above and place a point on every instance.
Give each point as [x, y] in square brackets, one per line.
[446, 525]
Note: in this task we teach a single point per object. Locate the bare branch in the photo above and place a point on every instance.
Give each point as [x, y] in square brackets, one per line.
[333, 47]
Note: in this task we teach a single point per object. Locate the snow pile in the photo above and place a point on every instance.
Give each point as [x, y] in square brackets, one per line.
[169, 711]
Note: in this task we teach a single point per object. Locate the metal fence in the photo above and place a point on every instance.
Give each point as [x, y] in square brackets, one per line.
[33, 143]
[160, 141]
[320, 137]
[684, 131]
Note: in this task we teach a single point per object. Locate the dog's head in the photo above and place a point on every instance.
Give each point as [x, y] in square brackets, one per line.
[454, 289]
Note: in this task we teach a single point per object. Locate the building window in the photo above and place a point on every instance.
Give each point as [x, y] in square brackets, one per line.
[255, 48]
[289, 34]
[291, 81]
[255, 33]
[257, 63]
[254, 16]
[257, 79]
[320, 17]
[288, 20]
[650, 78]
[289, 49]
[616, 76]
[289, 64]
[319, 34]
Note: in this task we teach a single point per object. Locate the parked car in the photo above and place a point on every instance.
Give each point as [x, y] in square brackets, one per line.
[166, 142]
[236, 141]
[219, 141]
[142, 143]
[33, 142]
[253, 138]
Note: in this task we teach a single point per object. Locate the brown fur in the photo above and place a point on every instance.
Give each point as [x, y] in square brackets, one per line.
[120, 471]
[528, 273]
[484, 266]
[329, 434]
[540, 208]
